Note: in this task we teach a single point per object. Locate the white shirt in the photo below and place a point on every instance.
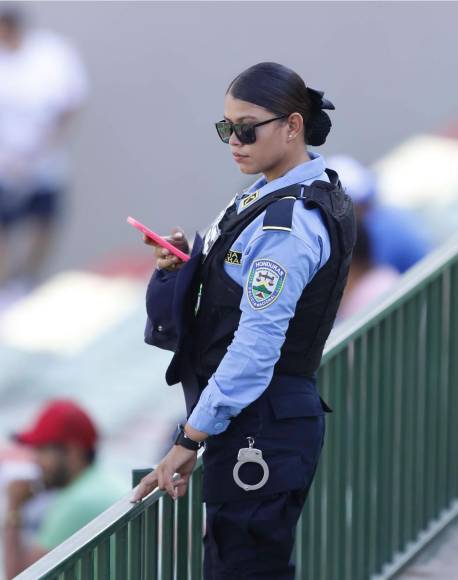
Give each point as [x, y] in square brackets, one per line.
[39, 82]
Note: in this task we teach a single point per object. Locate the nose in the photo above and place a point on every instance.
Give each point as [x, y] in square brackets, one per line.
[233, 140]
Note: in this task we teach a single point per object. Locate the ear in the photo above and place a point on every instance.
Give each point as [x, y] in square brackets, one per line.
[295, 126]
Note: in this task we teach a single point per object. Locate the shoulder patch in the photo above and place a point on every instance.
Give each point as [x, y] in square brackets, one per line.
[234, 258]
[250, 199]
[265, 283]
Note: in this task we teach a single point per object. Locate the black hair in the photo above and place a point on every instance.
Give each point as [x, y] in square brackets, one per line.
[12, 16]
[283, 92]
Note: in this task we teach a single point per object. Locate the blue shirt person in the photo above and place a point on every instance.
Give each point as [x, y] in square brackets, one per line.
[247, 368]
[397, 237]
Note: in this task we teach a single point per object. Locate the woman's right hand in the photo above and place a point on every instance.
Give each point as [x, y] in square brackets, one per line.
[165, 260]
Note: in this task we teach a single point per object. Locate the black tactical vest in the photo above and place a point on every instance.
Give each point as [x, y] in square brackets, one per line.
[212, 328]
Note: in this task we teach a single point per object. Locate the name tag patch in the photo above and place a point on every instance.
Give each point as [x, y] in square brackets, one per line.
[234, 258]
[250, 199]
[266, 281]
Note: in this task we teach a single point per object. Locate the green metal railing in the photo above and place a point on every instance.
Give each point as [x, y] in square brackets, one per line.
[388, 475]
[158, 538]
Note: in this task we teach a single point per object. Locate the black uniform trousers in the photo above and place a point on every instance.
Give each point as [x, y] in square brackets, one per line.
[252, 539]
[250, 535]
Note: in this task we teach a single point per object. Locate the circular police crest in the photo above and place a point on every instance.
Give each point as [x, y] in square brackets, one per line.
[265, 283]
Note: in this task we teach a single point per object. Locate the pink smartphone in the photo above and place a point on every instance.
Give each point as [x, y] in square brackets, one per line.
[158, 239]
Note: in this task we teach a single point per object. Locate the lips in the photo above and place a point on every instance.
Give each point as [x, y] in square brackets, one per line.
[237, 157]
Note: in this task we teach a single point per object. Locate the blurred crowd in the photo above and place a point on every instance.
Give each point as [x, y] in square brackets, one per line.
[390, 240]
[50, 481]
[43, 85]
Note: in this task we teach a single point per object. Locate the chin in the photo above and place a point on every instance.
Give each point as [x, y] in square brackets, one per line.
[248, 170]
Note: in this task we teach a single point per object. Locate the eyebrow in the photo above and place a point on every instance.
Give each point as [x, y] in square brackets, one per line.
[241, 119]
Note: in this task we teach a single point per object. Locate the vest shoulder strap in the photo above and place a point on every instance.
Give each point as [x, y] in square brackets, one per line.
[327, 195]
[279, 214]
[336, 207]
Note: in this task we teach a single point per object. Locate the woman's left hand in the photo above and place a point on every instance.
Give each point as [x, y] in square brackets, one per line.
[178, 460]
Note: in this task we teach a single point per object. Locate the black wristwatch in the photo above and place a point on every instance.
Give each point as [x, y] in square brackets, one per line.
[185, 441]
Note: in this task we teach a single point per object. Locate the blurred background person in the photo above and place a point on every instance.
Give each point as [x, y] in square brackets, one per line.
[17, 462]
[366, 280]
[397, 237]
[42, 85]
[64, 439]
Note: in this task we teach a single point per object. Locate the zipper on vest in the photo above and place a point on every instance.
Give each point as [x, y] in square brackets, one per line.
[199, 298]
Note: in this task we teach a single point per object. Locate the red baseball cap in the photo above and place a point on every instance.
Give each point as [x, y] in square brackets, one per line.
[61, 422]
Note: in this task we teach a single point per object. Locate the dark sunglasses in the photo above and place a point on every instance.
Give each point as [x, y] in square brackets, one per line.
[245, 132]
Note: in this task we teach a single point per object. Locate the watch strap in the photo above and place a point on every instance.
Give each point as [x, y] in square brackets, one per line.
[185, 441]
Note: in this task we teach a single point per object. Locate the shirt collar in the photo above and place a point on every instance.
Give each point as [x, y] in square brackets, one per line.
[304, 172]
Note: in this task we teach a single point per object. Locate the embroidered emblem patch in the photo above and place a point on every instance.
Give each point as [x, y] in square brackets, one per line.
[250, 199]
[234, 258]
[265, 283]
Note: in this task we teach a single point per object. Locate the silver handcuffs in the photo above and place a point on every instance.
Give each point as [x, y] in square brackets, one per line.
[250, 455]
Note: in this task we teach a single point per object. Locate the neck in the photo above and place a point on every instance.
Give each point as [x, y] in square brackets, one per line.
[283, 166]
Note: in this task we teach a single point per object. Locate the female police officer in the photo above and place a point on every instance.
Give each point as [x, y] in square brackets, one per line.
[247, 317]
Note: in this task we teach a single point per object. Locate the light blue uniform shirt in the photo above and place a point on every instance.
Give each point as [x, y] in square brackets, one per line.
[247, 367]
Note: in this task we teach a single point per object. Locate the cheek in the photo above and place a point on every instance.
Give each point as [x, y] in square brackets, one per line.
[47, 462]
[265, 155]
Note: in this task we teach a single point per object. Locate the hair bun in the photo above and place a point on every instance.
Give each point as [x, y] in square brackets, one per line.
[317, 128]
[318, 124]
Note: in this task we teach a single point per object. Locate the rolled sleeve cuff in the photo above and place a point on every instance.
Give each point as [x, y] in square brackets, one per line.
[202, 420]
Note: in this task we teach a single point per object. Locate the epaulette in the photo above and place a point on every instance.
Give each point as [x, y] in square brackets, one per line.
[279, 214]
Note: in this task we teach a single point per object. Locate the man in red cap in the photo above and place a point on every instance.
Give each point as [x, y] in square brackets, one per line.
[64, 438]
